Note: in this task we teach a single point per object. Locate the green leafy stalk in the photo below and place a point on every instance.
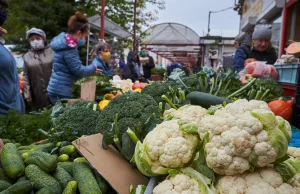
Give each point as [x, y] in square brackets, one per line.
[181, 95]
[167, 100]
[132, 135]
[220, 85]
[252, 94]
[265, 94]
[117, 133]
[258, 95]
[249, 84]
[212, 85]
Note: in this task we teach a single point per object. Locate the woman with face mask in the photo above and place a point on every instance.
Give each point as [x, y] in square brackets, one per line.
[257, 46]
[10, 96]
[37, 69]
[102, 51]
[67, 67]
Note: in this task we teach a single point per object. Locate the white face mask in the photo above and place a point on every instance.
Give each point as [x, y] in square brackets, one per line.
[37, 44]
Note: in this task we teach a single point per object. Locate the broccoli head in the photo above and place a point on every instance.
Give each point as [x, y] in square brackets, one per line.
[133, 110]
[85, 104]
[75, 122]
[157, 89]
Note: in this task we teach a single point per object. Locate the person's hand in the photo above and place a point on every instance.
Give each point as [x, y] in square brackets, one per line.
[28, 99]
[98, 71]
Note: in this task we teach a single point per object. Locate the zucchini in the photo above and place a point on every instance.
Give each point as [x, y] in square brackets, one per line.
[12, 161]
[22, 187]
[205, 100]
[71, 188]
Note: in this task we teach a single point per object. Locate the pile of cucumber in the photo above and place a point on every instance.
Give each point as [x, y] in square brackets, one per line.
[47, 168]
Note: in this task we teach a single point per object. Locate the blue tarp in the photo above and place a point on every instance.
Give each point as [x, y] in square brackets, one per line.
[295, 141]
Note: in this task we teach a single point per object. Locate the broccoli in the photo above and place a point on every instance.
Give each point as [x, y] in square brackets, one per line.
[74, 122]
[157, 89]
[85, 104]
[133, 111]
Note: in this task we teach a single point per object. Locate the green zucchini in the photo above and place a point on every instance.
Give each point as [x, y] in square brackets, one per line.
[205, 100]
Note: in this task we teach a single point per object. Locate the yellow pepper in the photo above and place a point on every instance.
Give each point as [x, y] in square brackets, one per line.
[108, 96]
[103, 103]
[138, 90]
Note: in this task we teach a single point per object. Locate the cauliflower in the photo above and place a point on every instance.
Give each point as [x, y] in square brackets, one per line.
[294, 152]
[187, 113]
[188, 181]
[243, 134]
[263, 181]
[166, 146]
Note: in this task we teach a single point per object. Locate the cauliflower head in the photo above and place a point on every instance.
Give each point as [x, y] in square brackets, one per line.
[187, 113]
[294, 152]
[263, 181]
[165, 147]
[187, 181]
[243, 134]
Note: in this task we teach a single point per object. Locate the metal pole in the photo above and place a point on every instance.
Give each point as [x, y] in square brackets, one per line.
[134, 26]
[208, 28]
[102, 15]
[88, 50]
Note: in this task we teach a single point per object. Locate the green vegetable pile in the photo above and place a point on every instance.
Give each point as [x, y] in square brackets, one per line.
[157, 89]
[47, 168]
[24, 128]
[130, 110]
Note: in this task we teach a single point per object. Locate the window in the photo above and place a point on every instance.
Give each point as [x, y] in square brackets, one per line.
[276, 31]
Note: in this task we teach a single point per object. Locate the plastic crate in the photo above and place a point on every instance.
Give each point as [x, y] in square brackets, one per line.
[288, 73]
[289, 89]
[295, 141]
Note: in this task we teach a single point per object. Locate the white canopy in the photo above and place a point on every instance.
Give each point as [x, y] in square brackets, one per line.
[109, 27]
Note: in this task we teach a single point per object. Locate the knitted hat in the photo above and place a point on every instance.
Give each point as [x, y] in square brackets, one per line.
[262, 30]
[4, 3]
[35, 31]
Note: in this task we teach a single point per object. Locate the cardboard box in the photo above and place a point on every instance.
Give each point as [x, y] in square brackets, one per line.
[117, 171]
[88, 90]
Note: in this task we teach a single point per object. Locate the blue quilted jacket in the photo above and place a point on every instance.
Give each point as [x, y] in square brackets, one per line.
[67, 68]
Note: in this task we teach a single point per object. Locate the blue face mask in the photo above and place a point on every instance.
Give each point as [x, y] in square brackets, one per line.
[81, 42]
[2, 17]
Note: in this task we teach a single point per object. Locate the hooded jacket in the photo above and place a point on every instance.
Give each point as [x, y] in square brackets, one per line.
[129, 71]
[67, 68]
[36, 75]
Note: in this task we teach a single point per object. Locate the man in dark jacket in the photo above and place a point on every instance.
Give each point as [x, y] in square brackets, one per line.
[173, 66]
[257, 46]
[10, 96]
[147, 66]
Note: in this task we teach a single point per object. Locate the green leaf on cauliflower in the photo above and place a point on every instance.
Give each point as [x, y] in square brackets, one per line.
[277, 138]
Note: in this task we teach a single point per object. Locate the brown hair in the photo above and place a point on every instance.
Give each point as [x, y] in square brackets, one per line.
[78, 22]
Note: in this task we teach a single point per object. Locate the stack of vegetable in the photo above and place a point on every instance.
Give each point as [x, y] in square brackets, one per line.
[228, 151]
[47, 168]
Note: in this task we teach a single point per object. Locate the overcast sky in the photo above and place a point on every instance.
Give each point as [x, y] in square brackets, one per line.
[194, 14]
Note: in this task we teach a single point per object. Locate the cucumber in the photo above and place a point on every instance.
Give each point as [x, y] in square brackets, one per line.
[87, 183]
[69, 150]
[205, 100]
[5, 141]
[41, 179]
[71, 188]
[12, 161]
[63, 158]
[22, 187]
[62, 176]
[47, 147]
[4, 177]
[45, 190]
[68, 166]
[80, 159]
[4, 185]
[44, 161]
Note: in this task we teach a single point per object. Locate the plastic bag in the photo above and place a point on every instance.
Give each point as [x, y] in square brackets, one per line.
[259, 69]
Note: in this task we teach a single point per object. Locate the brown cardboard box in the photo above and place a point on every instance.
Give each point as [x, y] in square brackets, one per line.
[117, 171]
[88, 90]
